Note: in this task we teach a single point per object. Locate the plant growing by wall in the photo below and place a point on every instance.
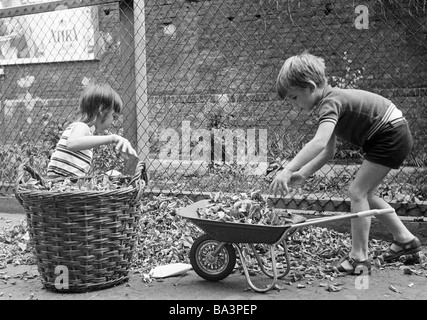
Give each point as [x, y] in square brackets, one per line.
[351, 78]
[221, 116]
[284, 145]
[35, 152]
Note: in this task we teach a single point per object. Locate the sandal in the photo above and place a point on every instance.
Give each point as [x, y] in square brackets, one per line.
[352, 267]
[407, 248]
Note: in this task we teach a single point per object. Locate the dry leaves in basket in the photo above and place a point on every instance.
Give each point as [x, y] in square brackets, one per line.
[95, 183]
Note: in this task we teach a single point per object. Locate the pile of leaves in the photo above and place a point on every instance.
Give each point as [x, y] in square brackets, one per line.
[165, 238]
[15, 245]
[249, 208]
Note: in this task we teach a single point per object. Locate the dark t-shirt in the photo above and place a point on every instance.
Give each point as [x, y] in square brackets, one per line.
[355, 113]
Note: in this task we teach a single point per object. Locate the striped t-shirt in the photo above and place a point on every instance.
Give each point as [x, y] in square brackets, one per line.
[64, 162]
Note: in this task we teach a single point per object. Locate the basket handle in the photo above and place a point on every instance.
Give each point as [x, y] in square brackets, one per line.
[20, 178]
[34, 174]
[140, 174]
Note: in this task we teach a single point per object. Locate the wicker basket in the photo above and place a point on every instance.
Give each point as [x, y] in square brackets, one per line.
[83, 240]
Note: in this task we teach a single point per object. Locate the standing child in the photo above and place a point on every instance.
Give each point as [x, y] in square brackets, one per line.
[365, 119]
[99, 105]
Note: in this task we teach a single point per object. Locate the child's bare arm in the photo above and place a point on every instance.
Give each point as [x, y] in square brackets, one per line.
[320, 160]
[313, 148]
[81, 139]
[309, 152]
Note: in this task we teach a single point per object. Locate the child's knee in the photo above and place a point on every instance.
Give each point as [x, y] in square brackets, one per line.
[372, 197]
[356, 193]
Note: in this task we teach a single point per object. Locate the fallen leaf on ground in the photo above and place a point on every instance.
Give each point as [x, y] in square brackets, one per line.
[332, 288]
[164, 238]
[394, 289]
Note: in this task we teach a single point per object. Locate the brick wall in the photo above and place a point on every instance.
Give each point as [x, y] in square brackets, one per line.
[201, 51]
[210, 59]
[239, 46]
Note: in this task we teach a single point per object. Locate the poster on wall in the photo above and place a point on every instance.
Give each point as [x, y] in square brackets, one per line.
[56, 36]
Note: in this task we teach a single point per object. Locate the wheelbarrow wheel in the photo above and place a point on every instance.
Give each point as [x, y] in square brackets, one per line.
[211, 259]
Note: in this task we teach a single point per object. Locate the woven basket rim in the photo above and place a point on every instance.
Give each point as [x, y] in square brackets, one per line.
[23, 191]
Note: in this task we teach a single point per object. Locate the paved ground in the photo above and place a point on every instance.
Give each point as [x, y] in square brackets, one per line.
[22, 283]
[381, 285]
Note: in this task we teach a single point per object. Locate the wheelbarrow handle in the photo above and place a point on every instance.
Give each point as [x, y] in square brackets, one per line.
[370, 213]
[316, 221]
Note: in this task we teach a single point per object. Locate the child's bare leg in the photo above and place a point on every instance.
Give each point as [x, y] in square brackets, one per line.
[365, 183]
[360, 235]
[391, 221]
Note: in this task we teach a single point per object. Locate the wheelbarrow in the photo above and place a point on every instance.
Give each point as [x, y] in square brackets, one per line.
[213, 254]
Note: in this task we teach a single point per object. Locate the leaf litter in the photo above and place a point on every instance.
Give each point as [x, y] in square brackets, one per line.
[165, 238]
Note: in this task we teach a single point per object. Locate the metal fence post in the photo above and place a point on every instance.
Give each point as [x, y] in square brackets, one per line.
[2, 111]
[141, 80]
[134, 78]
[128, 75]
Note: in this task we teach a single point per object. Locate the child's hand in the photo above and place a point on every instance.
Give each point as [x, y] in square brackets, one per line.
[280, 182]
[123, 145]
[297, 180]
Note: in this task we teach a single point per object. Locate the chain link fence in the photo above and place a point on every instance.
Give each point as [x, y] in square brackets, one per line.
[198, 81]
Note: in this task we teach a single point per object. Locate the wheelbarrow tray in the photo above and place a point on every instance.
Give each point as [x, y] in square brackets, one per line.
[234, 232]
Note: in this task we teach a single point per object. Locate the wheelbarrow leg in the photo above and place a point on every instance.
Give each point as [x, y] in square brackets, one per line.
[245, 269]
[283, 274]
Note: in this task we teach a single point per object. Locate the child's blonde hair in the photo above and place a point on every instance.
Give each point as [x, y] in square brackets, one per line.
[99, 99]
[298, 71]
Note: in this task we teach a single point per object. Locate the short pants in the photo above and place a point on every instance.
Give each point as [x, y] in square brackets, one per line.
[390, 146]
